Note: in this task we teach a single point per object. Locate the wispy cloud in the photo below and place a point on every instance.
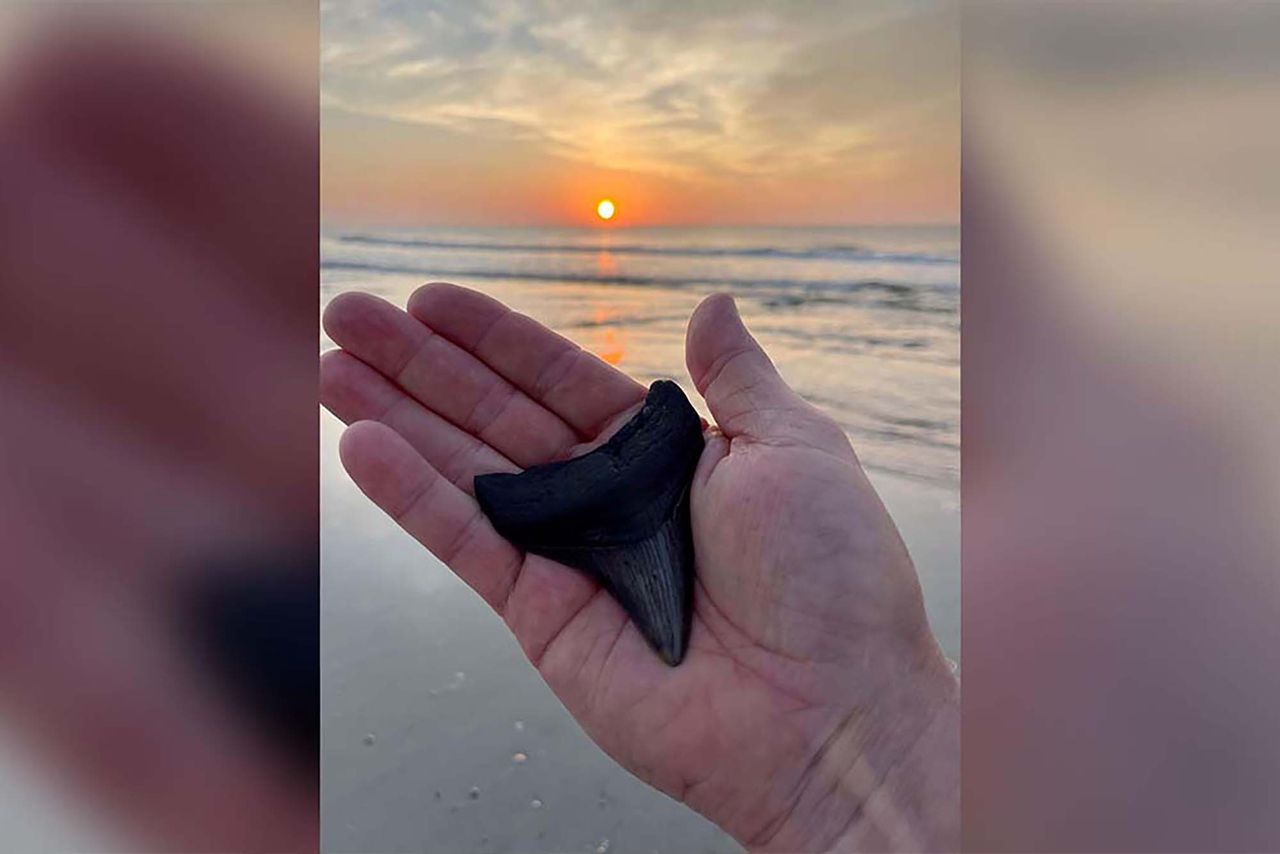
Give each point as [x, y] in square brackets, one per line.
[677, 89]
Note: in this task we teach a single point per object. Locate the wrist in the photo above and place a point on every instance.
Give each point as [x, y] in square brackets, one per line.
[887, 777]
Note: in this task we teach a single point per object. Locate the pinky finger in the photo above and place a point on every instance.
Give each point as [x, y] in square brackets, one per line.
[431, 508]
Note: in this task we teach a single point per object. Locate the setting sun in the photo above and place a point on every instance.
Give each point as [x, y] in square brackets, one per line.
[605, 209]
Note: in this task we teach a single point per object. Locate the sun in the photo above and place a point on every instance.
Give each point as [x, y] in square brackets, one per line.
[605, 209]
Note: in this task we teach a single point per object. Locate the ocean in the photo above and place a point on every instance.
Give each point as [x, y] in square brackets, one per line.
[864, 322]
[423, 694]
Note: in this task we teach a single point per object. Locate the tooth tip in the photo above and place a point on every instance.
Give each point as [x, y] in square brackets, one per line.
[671, 657]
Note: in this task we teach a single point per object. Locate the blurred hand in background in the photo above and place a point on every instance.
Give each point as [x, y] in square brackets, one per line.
[157, 464]
[814, 709]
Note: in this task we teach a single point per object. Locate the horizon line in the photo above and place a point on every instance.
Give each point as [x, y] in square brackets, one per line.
[355, 222]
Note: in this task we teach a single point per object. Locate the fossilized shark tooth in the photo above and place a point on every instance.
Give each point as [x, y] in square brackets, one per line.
[619, 513]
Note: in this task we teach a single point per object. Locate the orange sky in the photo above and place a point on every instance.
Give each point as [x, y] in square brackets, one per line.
[774, 114]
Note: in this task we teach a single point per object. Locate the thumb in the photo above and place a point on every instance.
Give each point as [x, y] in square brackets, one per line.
[742, 388]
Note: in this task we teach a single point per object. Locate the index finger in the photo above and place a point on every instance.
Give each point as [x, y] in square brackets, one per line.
[571, 382]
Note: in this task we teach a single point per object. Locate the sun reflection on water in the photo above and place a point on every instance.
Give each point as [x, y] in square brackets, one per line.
[606, 264]
[608, 342]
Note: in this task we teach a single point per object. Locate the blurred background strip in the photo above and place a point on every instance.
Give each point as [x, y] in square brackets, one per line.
[159, 596]
[1121, 491]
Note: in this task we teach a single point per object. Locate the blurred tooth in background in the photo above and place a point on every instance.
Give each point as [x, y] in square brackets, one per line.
[1121, 609]
[158, 499]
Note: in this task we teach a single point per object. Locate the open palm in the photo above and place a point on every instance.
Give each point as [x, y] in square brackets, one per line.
[811, 675]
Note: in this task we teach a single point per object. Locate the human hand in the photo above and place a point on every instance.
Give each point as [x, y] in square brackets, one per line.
[813, 710]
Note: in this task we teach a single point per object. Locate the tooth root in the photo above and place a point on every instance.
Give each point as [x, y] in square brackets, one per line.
[619, 513]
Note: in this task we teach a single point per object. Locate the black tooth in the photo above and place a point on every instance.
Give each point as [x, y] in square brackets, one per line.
[619, 513]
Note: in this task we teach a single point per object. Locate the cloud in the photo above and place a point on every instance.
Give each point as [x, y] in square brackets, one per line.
[696, 92]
